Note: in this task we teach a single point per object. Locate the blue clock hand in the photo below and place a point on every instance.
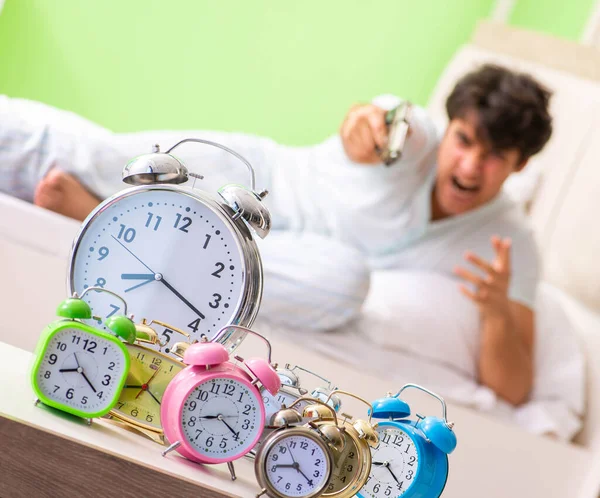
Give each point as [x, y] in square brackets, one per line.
[148, 277]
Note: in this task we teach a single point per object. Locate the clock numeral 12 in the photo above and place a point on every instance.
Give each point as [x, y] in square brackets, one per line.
[186, 223]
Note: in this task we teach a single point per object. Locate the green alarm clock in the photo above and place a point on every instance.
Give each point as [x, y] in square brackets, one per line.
[80, 369]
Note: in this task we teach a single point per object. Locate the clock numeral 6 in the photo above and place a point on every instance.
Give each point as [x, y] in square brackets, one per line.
[70, 393]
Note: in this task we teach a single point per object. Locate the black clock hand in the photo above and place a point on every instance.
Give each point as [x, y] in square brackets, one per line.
[213, 417]
[309, 481]
[82, 372]
[133, 387]
[236, 434]
[286, 466]
[69, 370]
[393, 475]
[154, 397]
[87, 380]
[174, 291]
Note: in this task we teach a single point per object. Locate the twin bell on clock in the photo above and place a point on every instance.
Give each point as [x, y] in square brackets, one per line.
[177, 253]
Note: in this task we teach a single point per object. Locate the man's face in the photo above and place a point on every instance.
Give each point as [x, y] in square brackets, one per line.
[470, 172]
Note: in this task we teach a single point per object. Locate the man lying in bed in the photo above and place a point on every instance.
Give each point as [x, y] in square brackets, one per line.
[440, 209]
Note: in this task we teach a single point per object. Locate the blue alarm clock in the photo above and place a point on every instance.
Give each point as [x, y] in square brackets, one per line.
[411, 459]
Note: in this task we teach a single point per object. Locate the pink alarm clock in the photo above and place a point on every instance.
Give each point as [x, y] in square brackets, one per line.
[212, 411]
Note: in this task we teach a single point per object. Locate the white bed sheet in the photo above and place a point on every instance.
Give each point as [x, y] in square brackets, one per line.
[556, 404]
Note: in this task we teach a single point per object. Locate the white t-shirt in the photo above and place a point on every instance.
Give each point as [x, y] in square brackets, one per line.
[385, 212]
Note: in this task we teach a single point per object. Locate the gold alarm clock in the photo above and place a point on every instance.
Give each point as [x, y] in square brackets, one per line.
[351, 465]
[150, 372]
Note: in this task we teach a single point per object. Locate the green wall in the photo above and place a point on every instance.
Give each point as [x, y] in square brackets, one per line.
[288, 70]
[566, 19]
[284, 69]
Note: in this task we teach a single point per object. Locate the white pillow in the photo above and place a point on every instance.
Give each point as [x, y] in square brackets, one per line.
[423, 313]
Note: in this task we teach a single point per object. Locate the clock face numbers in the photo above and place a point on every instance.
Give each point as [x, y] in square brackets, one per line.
[394, 464]
[149, 375]
[296, 466]
[346, 464]
[168, 255]
[222, 418]
[273, 403]
[81, 370]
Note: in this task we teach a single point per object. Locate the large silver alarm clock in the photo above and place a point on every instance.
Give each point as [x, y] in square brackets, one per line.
[177, 253]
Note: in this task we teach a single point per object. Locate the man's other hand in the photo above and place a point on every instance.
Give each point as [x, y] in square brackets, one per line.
[491, 291]
[363, 132]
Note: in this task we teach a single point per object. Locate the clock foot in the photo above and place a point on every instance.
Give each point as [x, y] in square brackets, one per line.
[36, 401]
[262, 492]
[88, 421]
[231, 470]
[174, 446]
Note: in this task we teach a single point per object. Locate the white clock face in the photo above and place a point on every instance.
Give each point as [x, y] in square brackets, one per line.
[273, 403]
[81, 370]
[169, 255]
[297, 466]
[222, 418]
[394, 464]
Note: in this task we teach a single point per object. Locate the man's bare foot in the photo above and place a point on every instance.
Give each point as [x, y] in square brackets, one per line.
[62, 193]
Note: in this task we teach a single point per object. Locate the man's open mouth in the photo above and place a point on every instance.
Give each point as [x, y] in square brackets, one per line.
[464, 187]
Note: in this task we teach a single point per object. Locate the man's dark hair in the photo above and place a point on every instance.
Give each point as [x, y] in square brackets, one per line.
[511, 108]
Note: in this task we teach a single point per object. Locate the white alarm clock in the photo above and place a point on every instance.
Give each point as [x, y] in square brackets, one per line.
[174, 252]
